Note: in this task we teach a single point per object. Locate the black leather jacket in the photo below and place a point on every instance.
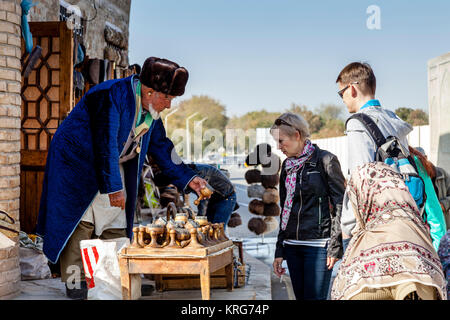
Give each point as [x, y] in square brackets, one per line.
[320, 187]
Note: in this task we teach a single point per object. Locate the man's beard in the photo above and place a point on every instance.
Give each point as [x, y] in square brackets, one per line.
[155, 114]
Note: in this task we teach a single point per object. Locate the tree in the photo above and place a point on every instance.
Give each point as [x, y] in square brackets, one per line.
[205, 106]
[315, 121]
[253, 120]
[415, 117]
[403, 113]
[330, 112]
[418, 117]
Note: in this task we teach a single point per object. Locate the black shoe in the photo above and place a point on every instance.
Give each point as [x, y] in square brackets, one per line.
[77, 294]
[147, 289]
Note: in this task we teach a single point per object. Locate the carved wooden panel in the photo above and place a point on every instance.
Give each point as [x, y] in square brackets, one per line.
[46, 101]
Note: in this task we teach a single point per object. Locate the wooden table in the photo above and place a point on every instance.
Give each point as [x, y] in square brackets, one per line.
[202, 261]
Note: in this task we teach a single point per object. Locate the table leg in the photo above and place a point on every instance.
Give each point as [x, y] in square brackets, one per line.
[125, 279]
[229, 276]
[205, 282]
[159, 282]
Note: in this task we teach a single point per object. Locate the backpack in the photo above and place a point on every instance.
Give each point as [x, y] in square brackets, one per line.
[390, 151]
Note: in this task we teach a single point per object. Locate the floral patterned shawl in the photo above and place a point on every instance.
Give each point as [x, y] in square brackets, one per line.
[391, 245]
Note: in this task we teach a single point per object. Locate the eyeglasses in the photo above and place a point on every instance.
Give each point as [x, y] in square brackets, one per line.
[279, 122]
[341, 92]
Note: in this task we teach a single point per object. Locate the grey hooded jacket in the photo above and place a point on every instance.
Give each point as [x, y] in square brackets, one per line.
[362, 149]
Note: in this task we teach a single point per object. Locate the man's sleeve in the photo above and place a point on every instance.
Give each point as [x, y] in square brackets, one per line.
[105, 123]
[361, 146]
[162, 150]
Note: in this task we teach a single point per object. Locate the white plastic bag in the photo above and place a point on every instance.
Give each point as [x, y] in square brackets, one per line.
[102, 272]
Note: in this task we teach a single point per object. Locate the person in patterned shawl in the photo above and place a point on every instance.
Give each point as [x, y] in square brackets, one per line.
[390, 255]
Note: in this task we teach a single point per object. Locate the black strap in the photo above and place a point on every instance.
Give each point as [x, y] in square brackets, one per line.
[371, 126]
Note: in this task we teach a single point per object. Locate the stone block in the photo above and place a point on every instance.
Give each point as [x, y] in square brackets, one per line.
[10, 288]
[9, 182]
[9, 6]
[8, 27]
[14, 40]
[7, 50]
[9, 146]
[3, 36]
[3, 87]
[9, 264]
[9, 135]
[9, 122]
[10, 193]
[13, 62]
[7, 98]
[14, 87]
[10, 170]
[13, 17]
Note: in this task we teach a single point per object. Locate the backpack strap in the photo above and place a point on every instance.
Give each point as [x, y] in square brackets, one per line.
[371, 127]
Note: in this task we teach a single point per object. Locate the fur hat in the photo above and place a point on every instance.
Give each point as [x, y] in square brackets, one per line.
[271, 210]
[271, 196]
[256, 207]
[235, 220]
[253, 176]
[257, 225]
[164, 76]
[255, 191]
[271, 224]
[270, 181]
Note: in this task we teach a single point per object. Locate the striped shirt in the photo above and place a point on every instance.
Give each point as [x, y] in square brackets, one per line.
[310, 243]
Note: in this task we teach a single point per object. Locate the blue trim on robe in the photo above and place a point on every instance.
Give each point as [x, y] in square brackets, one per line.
[83, 159]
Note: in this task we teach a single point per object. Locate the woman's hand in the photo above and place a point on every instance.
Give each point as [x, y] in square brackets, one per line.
[330, 262]
[279, 271]
[117, 199]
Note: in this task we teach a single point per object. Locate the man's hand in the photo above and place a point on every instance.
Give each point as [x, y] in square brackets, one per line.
[117, 199]
[443, 208]
[197, 184]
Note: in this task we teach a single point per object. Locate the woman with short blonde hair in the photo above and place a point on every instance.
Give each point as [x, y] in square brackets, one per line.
[311, 194]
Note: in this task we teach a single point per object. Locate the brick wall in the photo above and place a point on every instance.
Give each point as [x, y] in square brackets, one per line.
[10, 108]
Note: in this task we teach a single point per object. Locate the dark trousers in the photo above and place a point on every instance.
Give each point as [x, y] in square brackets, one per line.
[310, 276]
[218, 211]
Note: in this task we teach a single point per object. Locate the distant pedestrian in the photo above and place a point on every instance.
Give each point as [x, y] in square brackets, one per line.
[311, 191]
[390, 256]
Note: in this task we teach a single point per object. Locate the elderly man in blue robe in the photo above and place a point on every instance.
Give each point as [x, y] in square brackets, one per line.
[95, 161]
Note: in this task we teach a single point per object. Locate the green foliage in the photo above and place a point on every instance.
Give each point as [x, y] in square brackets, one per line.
[415, 117]
[253, 120]
[206, 107]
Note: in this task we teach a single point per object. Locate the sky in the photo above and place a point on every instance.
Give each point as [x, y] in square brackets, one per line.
[258, 54]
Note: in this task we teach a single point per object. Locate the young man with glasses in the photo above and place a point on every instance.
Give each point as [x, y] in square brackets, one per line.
[357, 84]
